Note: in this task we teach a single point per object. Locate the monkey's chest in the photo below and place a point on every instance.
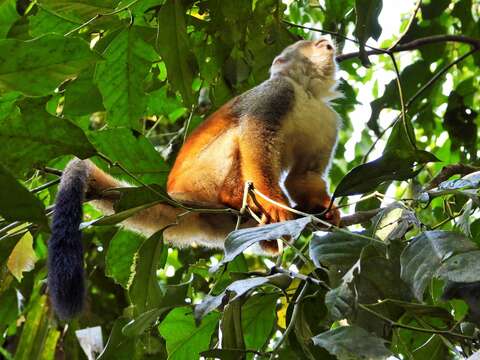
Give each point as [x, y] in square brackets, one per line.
[309, 134]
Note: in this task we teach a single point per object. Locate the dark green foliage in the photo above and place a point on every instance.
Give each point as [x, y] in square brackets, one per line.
[124, 82]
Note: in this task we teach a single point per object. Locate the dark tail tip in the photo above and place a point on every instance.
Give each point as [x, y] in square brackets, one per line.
[65, 254]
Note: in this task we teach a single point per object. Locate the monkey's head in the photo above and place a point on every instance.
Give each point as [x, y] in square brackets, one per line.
[311, 63]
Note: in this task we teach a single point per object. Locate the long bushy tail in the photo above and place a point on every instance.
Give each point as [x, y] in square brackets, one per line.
[65, 254]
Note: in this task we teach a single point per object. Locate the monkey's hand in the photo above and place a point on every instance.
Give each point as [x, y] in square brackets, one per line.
[322, 203]
[272, 213]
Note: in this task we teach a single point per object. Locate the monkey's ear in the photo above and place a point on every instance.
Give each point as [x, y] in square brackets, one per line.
[279, 60]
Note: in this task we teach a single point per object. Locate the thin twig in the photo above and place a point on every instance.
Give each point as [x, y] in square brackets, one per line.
[417, 94]
[45, 186]
[359, 217]
[415, 44]
[98, 16]
[409, 25]
[296, 309]
[413, 328]
[328, 226]
[50, 170]
[402, 104]
[448, 171]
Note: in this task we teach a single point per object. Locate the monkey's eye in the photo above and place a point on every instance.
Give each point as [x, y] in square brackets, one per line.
[329, 47]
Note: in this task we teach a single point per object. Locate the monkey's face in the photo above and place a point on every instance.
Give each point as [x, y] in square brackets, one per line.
[307, 59]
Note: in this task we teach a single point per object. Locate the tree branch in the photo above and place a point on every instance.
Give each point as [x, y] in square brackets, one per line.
[415, 44]
[448, 171]
[358, 217]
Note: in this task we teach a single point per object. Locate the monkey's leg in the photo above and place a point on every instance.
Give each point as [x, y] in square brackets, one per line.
[181, 228]
[260, 164]
[309, 190]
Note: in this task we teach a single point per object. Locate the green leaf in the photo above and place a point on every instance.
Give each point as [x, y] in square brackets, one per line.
[78, 10]
[422, 258]
[134, 152]
[8, 15]
[464, 268]
[118, 347]
[258, 319]
[336, 248]
[393, 222]
[121, 256]
[231, 327]
[37, 67]
[347, 342]
[184, 339]
[22, 258]
[33, 137]
[366, 24]
[145, 292]
[121, 76]
[38, 334]
[137, 326]
[340, 302]
[173, 46]
[239, 240]
[82, 96]
[17, 202]
[47, 22]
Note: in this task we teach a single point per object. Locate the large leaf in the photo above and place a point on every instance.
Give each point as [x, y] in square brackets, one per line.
[118, 345]
[134, 152]
[239, 240]
[336, 248]
[82, 96]
[184, 339]
[17, 202]
[120, 78]
[38, 335]
[347, 342]
[36, 67]
[239, 288]
[367, 23]
[33, 137]
[121, 255]
[174, 48]
[47, 22]
[340, 302]
[8, 15]
[258, 319]
[78, 11]
[422, 258]
[145, 292]
[401, 160]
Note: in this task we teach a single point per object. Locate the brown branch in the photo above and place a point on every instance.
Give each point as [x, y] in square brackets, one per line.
[415, 44]
[358, 217]
[448, 171]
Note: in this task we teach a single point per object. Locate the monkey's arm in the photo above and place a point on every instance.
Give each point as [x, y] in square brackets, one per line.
[260, 164]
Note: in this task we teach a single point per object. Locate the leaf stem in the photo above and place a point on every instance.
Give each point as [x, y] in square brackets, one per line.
[98, 16]
[395, 324]
[296, 309]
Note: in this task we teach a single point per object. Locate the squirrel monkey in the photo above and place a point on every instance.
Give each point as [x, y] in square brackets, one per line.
[279, 135]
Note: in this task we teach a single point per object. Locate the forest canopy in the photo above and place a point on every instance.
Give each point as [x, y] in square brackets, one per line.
[123, 83]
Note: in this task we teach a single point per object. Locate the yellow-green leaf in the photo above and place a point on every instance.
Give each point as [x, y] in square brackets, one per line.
[23, 257]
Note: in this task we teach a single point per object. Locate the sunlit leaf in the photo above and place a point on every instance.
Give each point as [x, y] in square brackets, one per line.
[352, 342]
[36, 67]
[22, 257]
[184, 339]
